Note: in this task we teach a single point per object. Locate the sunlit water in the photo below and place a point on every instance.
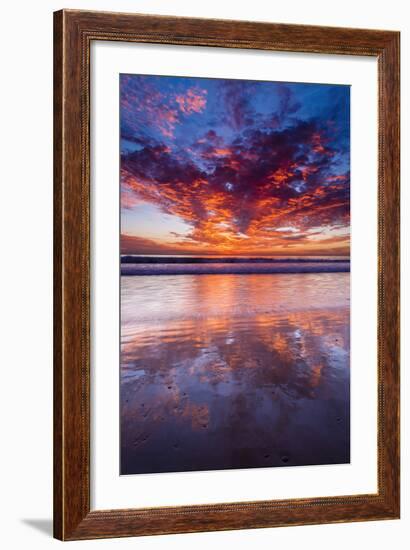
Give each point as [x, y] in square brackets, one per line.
[234, 371]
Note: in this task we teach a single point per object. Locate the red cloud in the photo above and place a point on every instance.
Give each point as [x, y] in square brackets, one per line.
[148, 106]
[194, 101]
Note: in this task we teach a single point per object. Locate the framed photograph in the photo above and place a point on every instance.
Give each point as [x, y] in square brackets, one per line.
[226, 288]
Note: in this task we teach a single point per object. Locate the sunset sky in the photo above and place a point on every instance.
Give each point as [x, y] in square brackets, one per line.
[234, 167]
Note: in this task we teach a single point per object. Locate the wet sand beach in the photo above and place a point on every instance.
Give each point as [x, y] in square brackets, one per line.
[234, 371]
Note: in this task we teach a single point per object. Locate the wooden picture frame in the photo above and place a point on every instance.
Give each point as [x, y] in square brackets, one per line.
[74, 32]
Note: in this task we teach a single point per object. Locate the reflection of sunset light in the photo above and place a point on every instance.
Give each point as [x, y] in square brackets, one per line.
[204, 358]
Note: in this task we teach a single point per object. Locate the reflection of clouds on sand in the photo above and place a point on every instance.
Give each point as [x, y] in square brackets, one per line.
[238, 371]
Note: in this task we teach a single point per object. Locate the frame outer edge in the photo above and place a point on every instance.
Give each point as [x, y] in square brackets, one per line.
[71, 420]
[389, 167]
[58, 491]
[72, 517]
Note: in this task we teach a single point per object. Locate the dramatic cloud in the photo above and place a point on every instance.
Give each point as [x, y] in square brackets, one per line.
[193, 101]
[246, 167]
